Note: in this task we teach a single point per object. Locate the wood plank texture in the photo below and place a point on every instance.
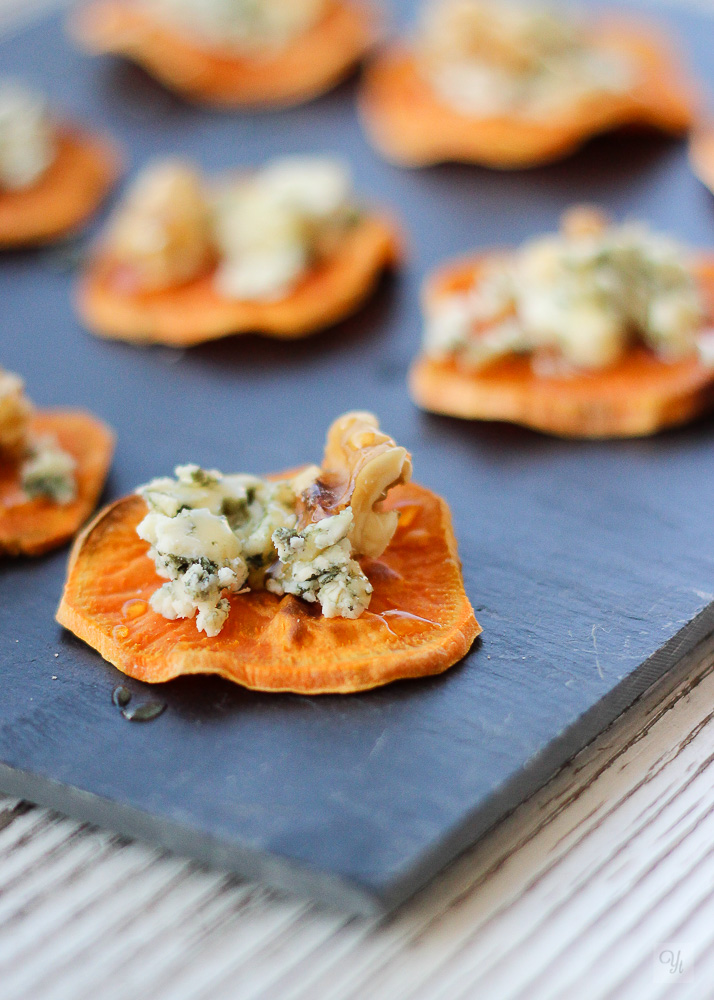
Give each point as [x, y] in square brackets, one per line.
[572, 895]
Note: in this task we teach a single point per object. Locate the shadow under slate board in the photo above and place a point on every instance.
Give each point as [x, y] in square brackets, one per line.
[590, 564]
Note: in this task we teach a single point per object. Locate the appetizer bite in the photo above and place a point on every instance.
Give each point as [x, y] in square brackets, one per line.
[231, 53]
[53, 464]
[601, 330]
[701, 154]
[511, 85]
[53, 176]
[284, 251]
[335, 578]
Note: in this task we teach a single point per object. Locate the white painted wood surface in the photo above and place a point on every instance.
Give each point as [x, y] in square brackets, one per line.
[586, 891]
[576, 894]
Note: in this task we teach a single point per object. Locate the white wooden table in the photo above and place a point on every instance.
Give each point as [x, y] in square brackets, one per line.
[602, 885]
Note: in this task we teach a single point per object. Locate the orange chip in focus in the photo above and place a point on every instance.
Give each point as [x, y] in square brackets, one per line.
[419, 621]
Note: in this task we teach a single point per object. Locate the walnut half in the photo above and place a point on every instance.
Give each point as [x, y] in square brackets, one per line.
[161, 232]
[15, 414]
[360, 465]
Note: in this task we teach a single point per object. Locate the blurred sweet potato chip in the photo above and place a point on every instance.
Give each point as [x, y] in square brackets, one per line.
[66, 195]
[196, 312]
[701, 154]
[31, 527]
[306, 67]
[637, 396]
[410, 125]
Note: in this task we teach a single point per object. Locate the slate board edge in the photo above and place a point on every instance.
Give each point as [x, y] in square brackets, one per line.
[683, 649]
[255, 866]
[289, 877]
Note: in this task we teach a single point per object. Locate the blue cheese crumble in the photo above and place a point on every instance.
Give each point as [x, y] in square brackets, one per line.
[576, 299]
[48, 471]
[274, 225]
[260, 232]
[487, 58]
[27, 137]
[317, 564]
[212, 535]
[249, 26]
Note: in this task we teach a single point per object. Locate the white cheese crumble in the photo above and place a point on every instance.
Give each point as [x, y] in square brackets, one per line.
[261, 231]
[582, 295]
[250, 26]
[211, 535]
[201, 558]
[27, 137]
[272, 226]
[48, 471]
[317, 564]
[493, 57]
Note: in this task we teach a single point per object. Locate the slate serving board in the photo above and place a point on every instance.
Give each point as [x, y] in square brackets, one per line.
[590, 565]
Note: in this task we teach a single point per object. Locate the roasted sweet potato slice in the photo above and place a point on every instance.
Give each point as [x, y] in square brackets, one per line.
[639, 395]
[31, 527]
[701, 154]
[308, 66]
[419, 622]
[72, 188]
[195, 312]
[411, 126]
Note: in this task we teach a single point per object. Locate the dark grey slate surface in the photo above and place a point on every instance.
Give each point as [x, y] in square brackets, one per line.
[582, 559]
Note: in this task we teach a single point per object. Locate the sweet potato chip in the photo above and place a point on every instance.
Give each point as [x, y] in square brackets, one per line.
[419, 622]
[639, 395]
[31, 527]
[305, 68]
[701, 155]
[196, 312]
[411, 126]
[66, 195]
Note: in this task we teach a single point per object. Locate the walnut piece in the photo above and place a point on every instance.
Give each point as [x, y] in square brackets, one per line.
[162, 232]
[15, 413]
[360, 465]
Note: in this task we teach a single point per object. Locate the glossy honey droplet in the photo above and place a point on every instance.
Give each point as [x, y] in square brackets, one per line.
[404, 622]
[146, 712]
[120, 632]
[133, 608]
[121, 696]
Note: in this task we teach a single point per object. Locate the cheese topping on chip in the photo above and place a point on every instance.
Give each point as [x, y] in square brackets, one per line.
[575, 299]
[264, 230]
[45, 469]
[245, 25]
[212, 535]
[494, 57]
[27, 137]
[581, 296]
